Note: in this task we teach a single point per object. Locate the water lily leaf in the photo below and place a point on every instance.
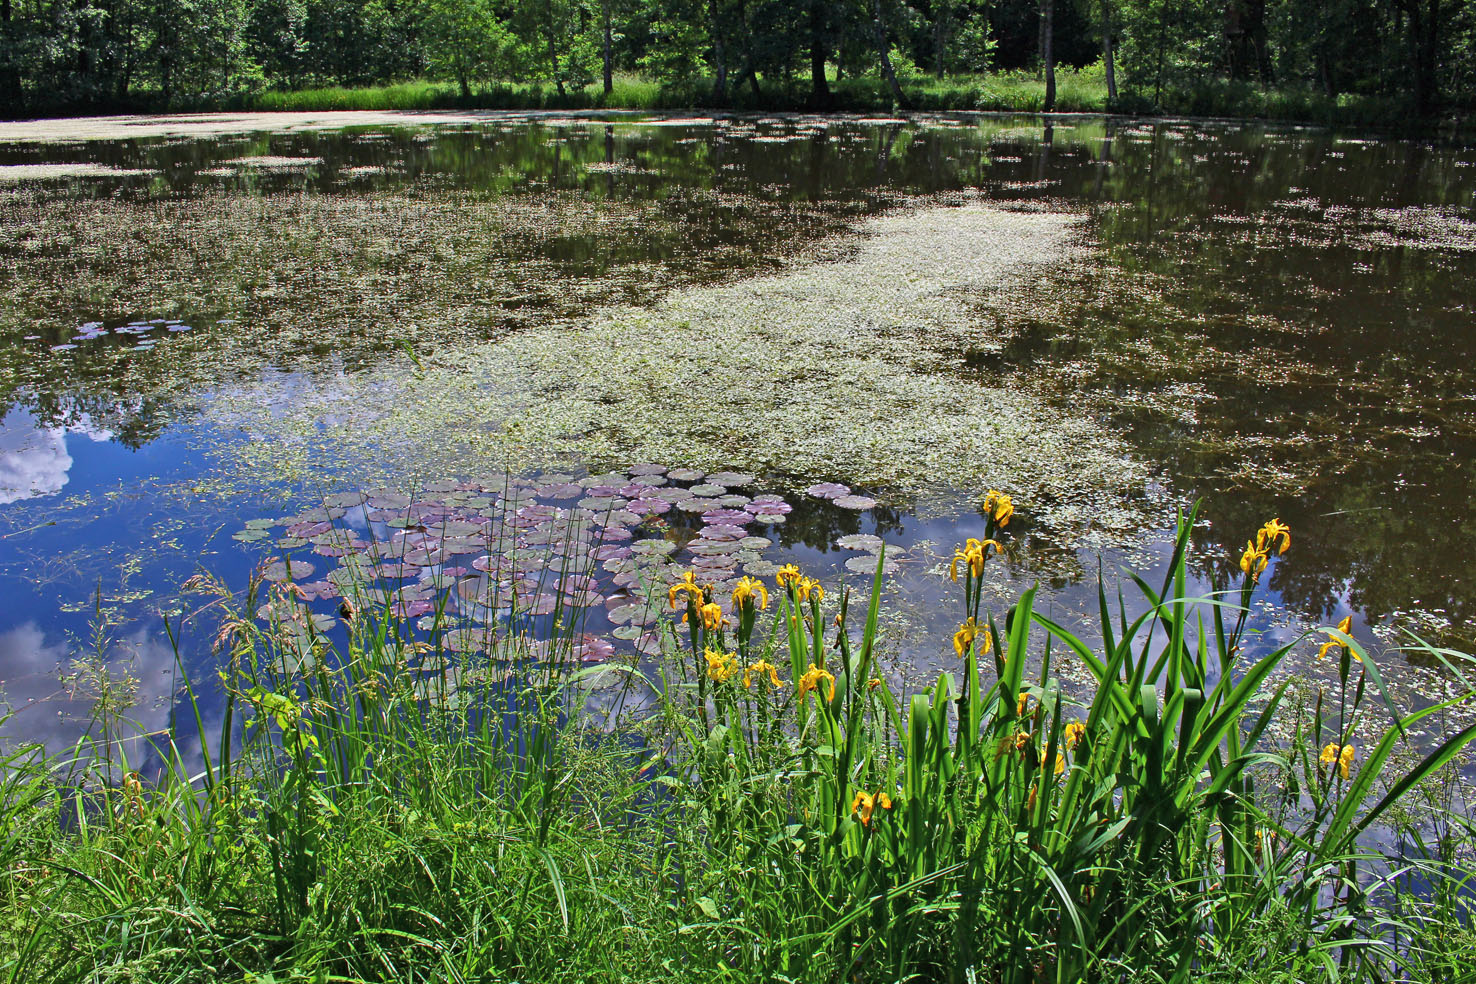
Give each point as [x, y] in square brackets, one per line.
[708, 490]
[828, 490]
[281, 570]
[730, 479]
[855, 502]
[860, 541]
[866, 564]
[686, 474]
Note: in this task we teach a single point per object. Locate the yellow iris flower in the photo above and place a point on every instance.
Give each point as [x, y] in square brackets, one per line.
[1273, 532]
[964, 638]
[1253, 561]
[712, 616]
[806, 586]
[1342, 756]
[1000, 506]
[1075, 732]
[812, 680]
[758, 671]
[1345, 627]
[787, 573]
[747, 590]
[973, 553]
[1022, 704]
[687, 585]
[863, 804]
[721, 666]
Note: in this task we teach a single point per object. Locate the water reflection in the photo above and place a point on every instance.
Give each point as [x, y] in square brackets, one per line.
[34, 459]
[1277, 318]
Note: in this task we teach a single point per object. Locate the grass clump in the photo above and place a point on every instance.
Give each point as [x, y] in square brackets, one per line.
[757, 804]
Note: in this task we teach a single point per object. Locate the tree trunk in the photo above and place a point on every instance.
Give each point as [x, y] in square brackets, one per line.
[553, 56]
[9, 76]
[940, 36]
[1107, 52]
[609, 68]
[819, 87]
[886, 58]
[720, 74]
[1047, 52]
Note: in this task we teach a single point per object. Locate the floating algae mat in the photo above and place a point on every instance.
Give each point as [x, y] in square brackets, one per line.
[848, 368]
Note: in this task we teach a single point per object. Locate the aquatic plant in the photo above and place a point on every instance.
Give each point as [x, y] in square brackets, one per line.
[755, 801]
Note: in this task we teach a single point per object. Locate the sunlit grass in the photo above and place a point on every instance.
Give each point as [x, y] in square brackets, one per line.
[757, 804]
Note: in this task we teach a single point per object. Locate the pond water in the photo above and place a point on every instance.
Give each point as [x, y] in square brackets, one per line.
[208, 339]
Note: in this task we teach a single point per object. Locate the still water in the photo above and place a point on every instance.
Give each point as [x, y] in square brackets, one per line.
[207, 339]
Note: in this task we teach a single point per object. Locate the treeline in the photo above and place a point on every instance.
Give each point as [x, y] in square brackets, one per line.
[74, 55]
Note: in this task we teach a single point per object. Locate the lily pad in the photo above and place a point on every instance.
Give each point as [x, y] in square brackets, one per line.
[828, 490]
[730, 479]
[866, 564]
[282, 570]
[686, 474]
[857, 502]
[860, 541]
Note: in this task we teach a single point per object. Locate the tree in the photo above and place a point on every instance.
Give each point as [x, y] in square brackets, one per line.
[466, 41]
[1047, 52]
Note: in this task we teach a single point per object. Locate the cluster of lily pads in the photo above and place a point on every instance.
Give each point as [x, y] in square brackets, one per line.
[472, 562]
[141, 330]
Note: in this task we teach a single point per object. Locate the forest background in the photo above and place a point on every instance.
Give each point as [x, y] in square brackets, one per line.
[1365, 61]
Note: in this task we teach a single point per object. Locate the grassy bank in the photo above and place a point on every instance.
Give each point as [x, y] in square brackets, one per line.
[1078, 91]
[755, 804]
[1083, 91]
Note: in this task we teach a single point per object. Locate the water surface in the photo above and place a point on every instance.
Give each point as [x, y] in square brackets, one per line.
[1109, 319]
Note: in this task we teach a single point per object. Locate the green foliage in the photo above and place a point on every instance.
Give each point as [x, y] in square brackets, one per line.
[773, 810]
[1249, 56]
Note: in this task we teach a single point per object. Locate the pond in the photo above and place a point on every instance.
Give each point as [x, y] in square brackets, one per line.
[223, 343]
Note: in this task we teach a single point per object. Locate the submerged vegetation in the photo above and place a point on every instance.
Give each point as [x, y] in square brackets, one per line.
[755, 801]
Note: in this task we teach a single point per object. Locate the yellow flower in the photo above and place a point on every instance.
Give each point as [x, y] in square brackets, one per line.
[807, 585]
[1030, 803]
[1060, 762]
[1022, 740]
[721, 666]
[1253, 561]
[747, 590]
[1274, 531]
[712, 616]
[964, 638]
[811, 681]
[873, 683]
[1075, 732]
[1342, 756]
[1000, 506]
[1345, 627]
[973, 553]
[687, 585]
[1022, 704]
[757, 671]
[787, 573]
[863, 803]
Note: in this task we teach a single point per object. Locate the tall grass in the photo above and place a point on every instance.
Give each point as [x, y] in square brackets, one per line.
[768, 809]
